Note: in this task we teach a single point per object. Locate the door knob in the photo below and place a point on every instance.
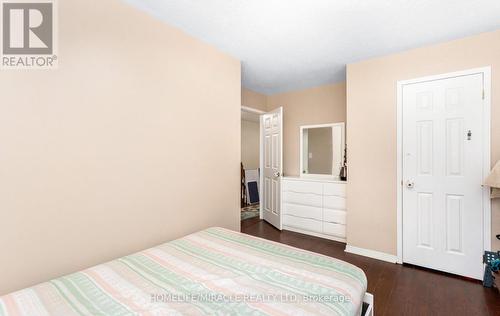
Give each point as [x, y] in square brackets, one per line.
[410, 184]
[277, 174]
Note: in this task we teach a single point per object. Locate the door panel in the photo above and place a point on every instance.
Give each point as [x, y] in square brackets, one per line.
[454, 146]
[424, 213]
[454, 223]
[272, 137]
[424, 147]
[442, 173]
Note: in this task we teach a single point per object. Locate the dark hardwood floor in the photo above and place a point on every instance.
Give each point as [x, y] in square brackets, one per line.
[398, 289]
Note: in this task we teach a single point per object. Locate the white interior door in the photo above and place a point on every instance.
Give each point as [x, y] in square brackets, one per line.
[442, 174]
[271, 166]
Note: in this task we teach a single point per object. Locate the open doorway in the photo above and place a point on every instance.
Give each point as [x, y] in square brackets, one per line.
[250, 163]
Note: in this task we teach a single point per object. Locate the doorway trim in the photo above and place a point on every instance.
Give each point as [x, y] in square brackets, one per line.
[251, 110]
[486, 134]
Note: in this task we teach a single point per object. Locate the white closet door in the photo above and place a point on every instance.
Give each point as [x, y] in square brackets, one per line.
[442, 172]
[271, 165]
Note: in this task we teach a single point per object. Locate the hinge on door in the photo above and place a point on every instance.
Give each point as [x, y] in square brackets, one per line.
[483, 94]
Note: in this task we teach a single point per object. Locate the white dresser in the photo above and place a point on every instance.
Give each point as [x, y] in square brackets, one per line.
[315, 207]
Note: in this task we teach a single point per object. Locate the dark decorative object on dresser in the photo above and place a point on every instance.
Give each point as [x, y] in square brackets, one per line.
[244, 198]
[343, 170]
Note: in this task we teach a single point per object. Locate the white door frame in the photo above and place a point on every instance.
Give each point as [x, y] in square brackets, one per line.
[486, 72]
[251, 110]
[261, 168]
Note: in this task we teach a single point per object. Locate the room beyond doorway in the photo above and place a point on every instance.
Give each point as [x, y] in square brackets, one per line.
[250, 163]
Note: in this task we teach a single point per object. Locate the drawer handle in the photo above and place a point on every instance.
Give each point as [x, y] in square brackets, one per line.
[302, 192]
[334, 223]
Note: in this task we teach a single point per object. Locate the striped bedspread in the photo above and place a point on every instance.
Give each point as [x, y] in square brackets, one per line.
[212, 272]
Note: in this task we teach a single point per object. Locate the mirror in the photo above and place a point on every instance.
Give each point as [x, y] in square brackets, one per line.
[322, 149]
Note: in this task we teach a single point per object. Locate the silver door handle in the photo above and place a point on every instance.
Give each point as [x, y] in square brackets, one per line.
[276, 174]
[410, 184]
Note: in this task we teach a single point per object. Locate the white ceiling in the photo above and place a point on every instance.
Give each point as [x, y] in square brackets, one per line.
[292, 44]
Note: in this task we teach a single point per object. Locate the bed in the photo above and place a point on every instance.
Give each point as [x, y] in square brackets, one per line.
[212, 272]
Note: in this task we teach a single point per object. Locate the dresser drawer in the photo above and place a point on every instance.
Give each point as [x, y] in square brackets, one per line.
[303, 223]
[303, 211]
[336, 189]
[334, 216]
[307, 199]
[334, 202]
[303, 187]
[337, 230]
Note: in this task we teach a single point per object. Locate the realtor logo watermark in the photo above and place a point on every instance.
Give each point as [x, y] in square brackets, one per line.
[29, 34]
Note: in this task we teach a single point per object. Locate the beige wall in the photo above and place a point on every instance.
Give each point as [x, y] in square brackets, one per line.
[320, 105]
[371, 132]
[250, 151]
[133, 141]
[253, 99]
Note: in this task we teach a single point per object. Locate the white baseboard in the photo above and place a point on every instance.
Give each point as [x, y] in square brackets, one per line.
[306, 232]
[372, 254]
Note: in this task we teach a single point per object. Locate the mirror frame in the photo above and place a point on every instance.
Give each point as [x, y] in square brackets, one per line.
[301, 150]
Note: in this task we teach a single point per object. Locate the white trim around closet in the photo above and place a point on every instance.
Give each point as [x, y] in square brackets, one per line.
[251, 110]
